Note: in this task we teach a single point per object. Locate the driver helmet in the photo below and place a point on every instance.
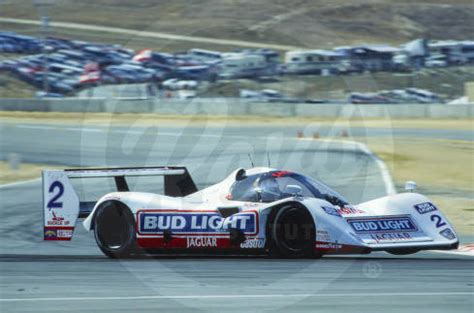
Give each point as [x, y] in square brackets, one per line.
[270, 189]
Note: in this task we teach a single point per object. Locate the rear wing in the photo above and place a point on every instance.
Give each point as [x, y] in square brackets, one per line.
[61, 204]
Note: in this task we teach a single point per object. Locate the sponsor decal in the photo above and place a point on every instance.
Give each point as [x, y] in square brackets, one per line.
[201, 242]
[58, 233]
[50, 233]
[184, 242]
[57, 220]
[337, 248]
[322, 235]
[397, 224]
[349, 211]
[64, 233]
[193, 222]
[251, 205]
[328, 245]
[448, 234]
[391, 237]
[331, 211]
[425, 207]
[253, 243]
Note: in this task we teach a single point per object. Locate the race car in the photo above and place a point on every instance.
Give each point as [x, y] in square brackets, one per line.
[253, 211]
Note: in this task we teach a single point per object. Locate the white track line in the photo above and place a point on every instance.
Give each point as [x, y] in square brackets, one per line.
[79, 129]
[386, 177]
[178, 134]
[118, 131]
[34, 126]
[252, 296]
[83, 129]
[20, 183]
[143, 132]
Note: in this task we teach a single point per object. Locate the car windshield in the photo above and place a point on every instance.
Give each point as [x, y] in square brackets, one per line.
[276, 185]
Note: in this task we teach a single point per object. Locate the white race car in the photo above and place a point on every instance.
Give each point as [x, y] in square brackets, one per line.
[254, 211]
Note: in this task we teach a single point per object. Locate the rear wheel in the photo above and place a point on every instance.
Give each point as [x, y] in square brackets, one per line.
[292, 232]
[114, 230]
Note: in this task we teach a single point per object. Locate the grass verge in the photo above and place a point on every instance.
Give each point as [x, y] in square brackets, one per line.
[26, 171]
[10, 87]
[443, 169]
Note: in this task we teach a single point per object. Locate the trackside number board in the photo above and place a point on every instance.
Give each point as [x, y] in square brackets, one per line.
[391, 229]
[195, 223]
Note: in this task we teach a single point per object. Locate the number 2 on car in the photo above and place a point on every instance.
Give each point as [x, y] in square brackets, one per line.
[54, 201]
[438, 220]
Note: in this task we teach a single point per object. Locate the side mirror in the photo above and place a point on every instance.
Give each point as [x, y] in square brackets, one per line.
[410, 186]
[293, 190]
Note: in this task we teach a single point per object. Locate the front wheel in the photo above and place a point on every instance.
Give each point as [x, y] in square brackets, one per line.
[293, 232]
[114, 230]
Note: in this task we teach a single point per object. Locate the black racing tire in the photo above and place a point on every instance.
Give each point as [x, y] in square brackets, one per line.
[292, 233]
[114, 230]
[405, 251]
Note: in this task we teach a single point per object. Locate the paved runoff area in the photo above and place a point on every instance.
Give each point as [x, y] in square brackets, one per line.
[74, 276]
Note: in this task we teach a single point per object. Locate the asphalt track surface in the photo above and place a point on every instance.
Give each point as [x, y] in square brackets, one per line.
[51, 277]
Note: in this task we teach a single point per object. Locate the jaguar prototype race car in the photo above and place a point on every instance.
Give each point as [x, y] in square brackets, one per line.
[253, 211]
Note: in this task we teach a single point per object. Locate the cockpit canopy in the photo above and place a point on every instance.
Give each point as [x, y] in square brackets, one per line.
[275, 185]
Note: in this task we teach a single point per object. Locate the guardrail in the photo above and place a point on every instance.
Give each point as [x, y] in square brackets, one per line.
[222, 106]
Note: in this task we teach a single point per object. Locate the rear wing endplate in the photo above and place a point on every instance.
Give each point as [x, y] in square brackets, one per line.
[61, 204]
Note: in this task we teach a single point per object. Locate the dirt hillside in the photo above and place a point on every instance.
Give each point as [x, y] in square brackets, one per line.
[309, 23]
